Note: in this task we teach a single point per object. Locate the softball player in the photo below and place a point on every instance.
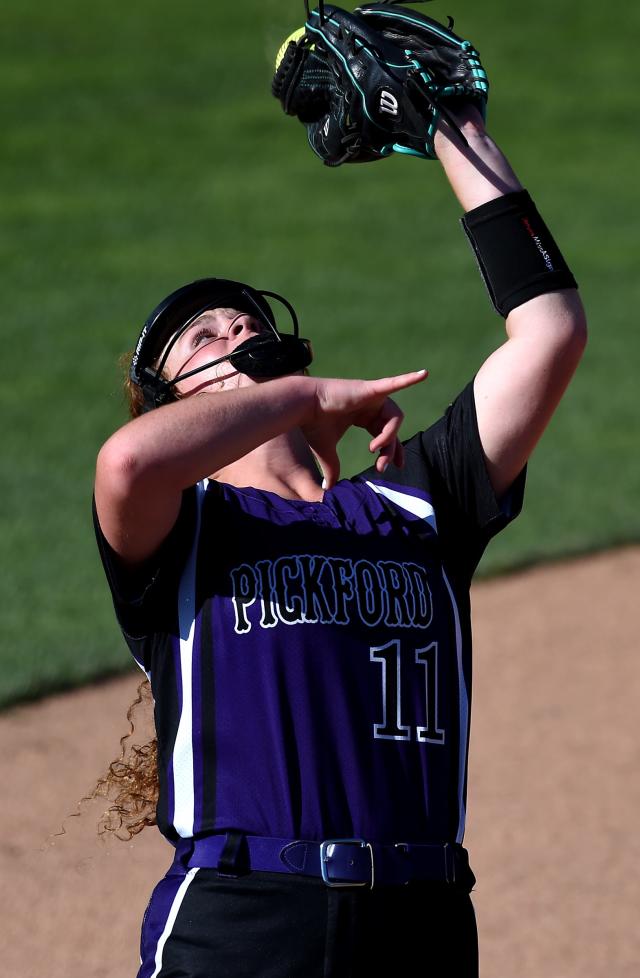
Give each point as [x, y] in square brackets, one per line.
[308, 638]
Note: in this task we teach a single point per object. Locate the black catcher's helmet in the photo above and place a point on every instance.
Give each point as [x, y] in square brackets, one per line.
[270, 354]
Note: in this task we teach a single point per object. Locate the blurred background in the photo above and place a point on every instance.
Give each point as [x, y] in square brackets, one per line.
[141, 149]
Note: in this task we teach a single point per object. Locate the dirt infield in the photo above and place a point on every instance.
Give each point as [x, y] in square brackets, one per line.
[553, 795]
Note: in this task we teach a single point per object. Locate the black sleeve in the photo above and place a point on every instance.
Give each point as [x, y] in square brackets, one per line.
[447, 461]
[453, 455]
[140, 594]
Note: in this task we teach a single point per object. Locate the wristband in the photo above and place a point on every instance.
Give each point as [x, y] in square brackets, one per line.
[515, 251]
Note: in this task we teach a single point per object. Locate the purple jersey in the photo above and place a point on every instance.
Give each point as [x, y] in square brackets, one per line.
[310, 662]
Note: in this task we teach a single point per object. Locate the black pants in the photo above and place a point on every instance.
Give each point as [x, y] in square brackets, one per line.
[200, 924]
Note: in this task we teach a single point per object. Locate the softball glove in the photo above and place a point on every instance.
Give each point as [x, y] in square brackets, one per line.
[376, 81]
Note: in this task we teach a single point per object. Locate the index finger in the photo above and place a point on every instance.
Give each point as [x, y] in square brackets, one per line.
[387, 385]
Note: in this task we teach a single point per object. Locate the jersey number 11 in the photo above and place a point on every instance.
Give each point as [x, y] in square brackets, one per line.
[392, 727]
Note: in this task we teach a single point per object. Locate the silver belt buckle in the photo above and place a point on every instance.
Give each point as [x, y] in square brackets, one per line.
[326, 853]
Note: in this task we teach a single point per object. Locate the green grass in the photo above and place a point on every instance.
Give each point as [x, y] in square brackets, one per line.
[142, 149]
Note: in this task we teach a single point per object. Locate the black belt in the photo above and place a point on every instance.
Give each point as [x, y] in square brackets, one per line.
[339, 862]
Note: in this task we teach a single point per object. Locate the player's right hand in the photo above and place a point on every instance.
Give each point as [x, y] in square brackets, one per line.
[342, 404]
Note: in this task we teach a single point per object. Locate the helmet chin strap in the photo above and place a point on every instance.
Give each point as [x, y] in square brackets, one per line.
[267, 355]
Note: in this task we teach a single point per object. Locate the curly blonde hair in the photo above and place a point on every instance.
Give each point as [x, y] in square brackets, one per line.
[131, 780]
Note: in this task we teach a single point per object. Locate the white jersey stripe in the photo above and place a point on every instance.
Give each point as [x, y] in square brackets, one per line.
[183, 779]
[463, 707]
[412, 504]
[171, 919]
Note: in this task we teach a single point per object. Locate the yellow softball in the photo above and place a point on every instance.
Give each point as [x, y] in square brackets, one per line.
[292, 37]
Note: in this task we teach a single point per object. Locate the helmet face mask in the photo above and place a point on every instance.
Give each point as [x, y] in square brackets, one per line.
[269, 354]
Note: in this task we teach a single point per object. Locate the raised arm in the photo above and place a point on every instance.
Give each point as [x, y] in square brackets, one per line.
[519, 386]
